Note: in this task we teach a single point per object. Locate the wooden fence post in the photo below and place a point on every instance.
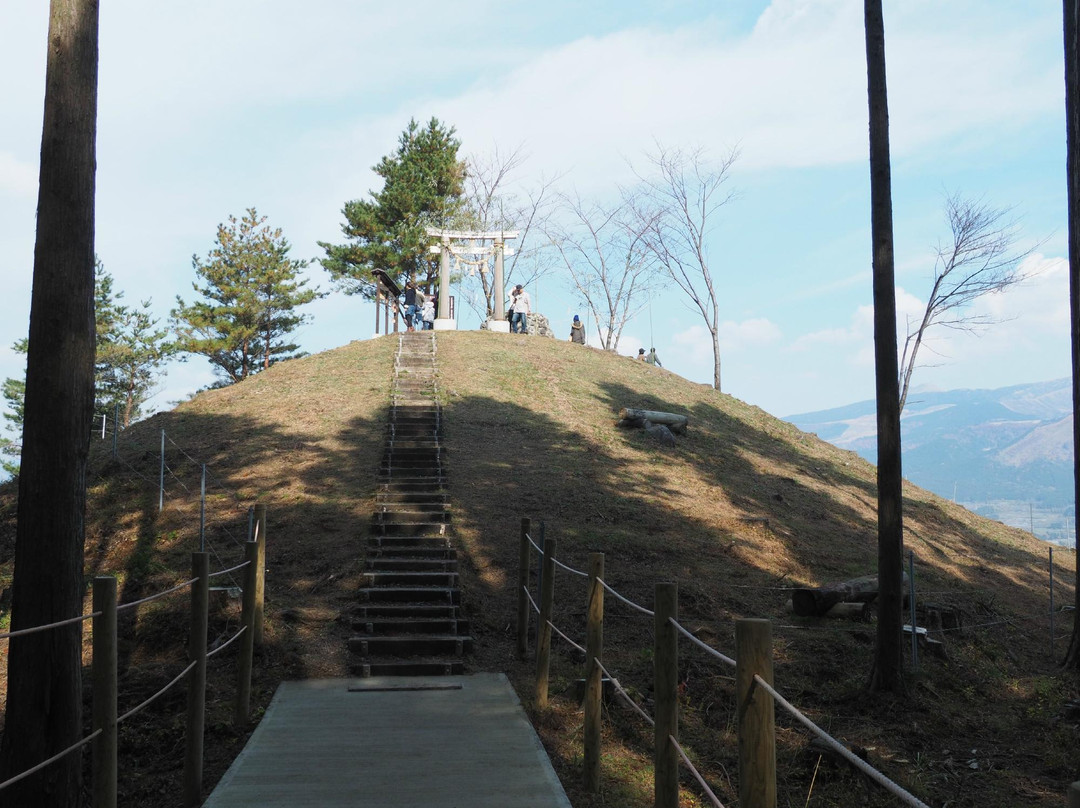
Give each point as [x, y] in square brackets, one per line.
[104, 673]
[666, 692]
[757, 729]
[523, 586]
[594, 653]
[247, 642]
[260, 572]
[543, 641]
[196, 696]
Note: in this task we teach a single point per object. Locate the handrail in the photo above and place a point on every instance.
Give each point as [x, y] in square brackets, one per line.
[697, 775]
[149, 598]
[51, 760]
[24, 631]
[627, 601]
[160, 693]
[706, 648]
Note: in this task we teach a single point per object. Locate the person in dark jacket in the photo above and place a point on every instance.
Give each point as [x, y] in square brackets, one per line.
[577, 331]
[410, 304]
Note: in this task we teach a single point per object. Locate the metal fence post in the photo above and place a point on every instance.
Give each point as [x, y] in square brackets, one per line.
[196, 695]
[756, 712]
[247, 642]
[666, 693]
[260, 572]
[594, 653]
[104, 675]
[161, 476]
[543, 630]
[523, 587]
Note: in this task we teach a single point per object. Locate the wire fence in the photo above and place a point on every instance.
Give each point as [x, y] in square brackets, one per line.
[750, 674]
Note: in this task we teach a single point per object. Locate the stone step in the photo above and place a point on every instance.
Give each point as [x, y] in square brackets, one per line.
[407, 489]
[391, 667]
[412, 564]
[409, 645]
[414, 552]
[409, 594]
[408, 529]
[409, 578]
[395, 498]
[401, 512]
[381, 541]
[450, 626]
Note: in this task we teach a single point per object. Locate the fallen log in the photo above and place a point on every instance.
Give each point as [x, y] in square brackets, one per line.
[636, 418]
[815, 602]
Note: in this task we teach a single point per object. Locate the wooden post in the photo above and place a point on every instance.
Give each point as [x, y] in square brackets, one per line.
[757, 732]
[196, 696]
[247, 642]
[260, 572]
[105, 691]
[543, 642]
[523, 586]
[666, 692]
[594, 653]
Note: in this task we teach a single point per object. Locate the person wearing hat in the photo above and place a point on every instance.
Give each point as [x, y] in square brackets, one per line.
[641, 354]
[519, 322]
[577, 331]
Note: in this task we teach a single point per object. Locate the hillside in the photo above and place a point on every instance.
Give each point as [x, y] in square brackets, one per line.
[745, 506]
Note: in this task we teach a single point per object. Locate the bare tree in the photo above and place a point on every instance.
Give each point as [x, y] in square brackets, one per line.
[1072, 179]
[888, 666]
[490, 205]
[606, 253]
[980, 260]
[685, 191]
[44, 698]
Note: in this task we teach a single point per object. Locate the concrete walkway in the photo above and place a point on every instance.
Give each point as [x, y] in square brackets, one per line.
[447, 741]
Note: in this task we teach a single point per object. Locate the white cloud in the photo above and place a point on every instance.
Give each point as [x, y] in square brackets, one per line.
[17, 177]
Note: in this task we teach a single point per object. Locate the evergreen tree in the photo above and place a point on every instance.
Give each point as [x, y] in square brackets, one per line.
[130, 351]
[14, 392]
[423, 187]
[251, 291]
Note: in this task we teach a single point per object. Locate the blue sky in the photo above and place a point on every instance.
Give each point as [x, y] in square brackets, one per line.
[208, 108]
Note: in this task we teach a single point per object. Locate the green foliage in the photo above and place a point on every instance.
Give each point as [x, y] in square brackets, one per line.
[14, 391]
[251, 290]
[130, 351]
[423, 187]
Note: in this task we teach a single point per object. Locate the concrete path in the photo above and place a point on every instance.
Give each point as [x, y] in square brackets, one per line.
[436, 742]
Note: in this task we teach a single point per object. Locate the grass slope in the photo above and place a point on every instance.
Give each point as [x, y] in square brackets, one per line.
[744, 507]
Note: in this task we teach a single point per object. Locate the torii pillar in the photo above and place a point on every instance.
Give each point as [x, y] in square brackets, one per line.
[498, 322]
[442, 322]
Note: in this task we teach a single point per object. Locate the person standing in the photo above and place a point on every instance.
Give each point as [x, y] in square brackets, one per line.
[427, 314]
[652, 358]
[520, 307]
[577, 331]
[410, 305]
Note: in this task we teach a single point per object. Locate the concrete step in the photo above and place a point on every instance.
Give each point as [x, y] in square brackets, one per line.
[403, 512]
[392, 667]
[409, 594]
[380, 541]
[412, 552]
[409, 578]
[408, 529]
[449, 626]
[405, 610]
[410, 645]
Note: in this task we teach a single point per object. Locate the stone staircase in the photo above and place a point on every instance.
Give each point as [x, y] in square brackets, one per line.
[408, 621]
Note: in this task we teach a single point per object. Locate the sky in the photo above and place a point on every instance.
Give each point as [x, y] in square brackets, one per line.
[207, 108]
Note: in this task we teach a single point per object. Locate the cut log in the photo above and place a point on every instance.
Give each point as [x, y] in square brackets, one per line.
[811, 602]
[676, 423]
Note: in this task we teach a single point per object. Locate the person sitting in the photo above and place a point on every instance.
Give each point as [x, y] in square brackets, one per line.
[577, 331]
[653, 359]
[641, 354]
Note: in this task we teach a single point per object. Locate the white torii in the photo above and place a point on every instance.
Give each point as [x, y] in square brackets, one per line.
[443, 249]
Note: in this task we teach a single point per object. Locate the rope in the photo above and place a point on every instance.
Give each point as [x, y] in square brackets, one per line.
[534, 544]
[51, 760]
[135, 603]
[697, 775]
[840, 749]
[160, 693]
[556, 630]
[570, 569]
[230, 569]
[530, 597]
[228, 642]
[23, 631]
[706, 648]
[629, 603]
[619, 689]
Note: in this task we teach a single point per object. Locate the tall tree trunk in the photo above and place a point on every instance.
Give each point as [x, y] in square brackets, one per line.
[1072, 174]
[887, 672]
[715, 329]
[44, 699]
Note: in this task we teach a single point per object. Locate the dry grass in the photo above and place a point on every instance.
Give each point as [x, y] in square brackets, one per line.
[745, 506]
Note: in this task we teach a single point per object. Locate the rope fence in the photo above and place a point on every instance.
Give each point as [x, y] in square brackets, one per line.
[104, 734]
[752, 663]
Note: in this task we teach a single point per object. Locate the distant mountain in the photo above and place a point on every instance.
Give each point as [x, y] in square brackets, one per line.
[1014, 443]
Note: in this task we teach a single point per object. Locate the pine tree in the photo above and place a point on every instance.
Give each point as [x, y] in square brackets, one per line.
[423, 187]
[251, 291]
[14, 392]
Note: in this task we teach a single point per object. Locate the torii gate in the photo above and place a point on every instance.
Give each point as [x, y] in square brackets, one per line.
[444, 249]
